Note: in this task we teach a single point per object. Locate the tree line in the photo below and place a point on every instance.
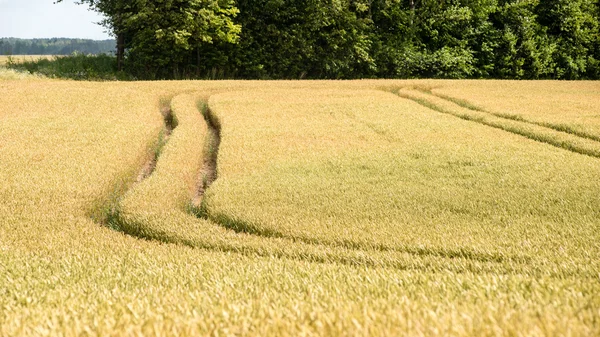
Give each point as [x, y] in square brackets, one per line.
[54, 46]
[344, 39]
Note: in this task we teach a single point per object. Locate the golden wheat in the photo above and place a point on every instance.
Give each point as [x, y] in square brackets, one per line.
[339, 209]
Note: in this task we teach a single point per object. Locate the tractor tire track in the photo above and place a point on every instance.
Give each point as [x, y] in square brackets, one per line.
[225, 234]
[170, 124]
[199, 208]
[556, 127]
[543, 134]
[105, 210]
[208, 173]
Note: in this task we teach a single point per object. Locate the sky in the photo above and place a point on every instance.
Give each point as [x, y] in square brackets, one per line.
[43, 19]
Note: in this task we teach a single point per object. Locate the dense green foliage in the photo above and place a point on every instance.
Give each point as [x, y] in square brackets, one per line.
[428, 38]
[54, 46]
[522, 39]
[163, 38]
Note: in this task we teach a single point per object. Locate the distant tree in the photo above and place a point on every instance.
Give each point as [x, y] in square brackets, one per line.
[54, 46]
[115, 12]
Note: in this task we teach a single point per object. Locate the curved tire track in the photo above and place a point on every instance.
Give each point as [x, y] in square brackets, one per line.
[560, 139]
[200, 209]
[219, 233]
[556, 127]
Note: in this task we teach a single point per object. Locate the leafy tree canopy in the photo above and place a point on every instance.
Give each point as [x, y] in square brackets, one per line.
[526, 39]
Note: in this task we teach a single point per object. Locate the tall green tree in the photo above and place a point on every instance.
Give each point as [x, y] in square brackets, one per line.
[523, 39]
[304, 38]
[169, 34]
[522, 48]
[426, 38]
[574, 26]
[163, 38]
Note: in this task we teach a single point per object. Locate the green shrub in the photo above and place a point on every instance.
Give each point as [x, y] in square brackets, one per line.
[76, 66]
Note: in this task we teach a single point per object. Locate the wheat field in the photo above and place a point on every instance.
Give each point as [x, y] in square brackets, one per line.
[20, 58]
[299, 208]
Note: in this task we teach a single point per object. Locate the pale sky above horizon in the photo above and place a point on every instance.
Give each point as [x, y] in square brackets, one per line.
[29, 19]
